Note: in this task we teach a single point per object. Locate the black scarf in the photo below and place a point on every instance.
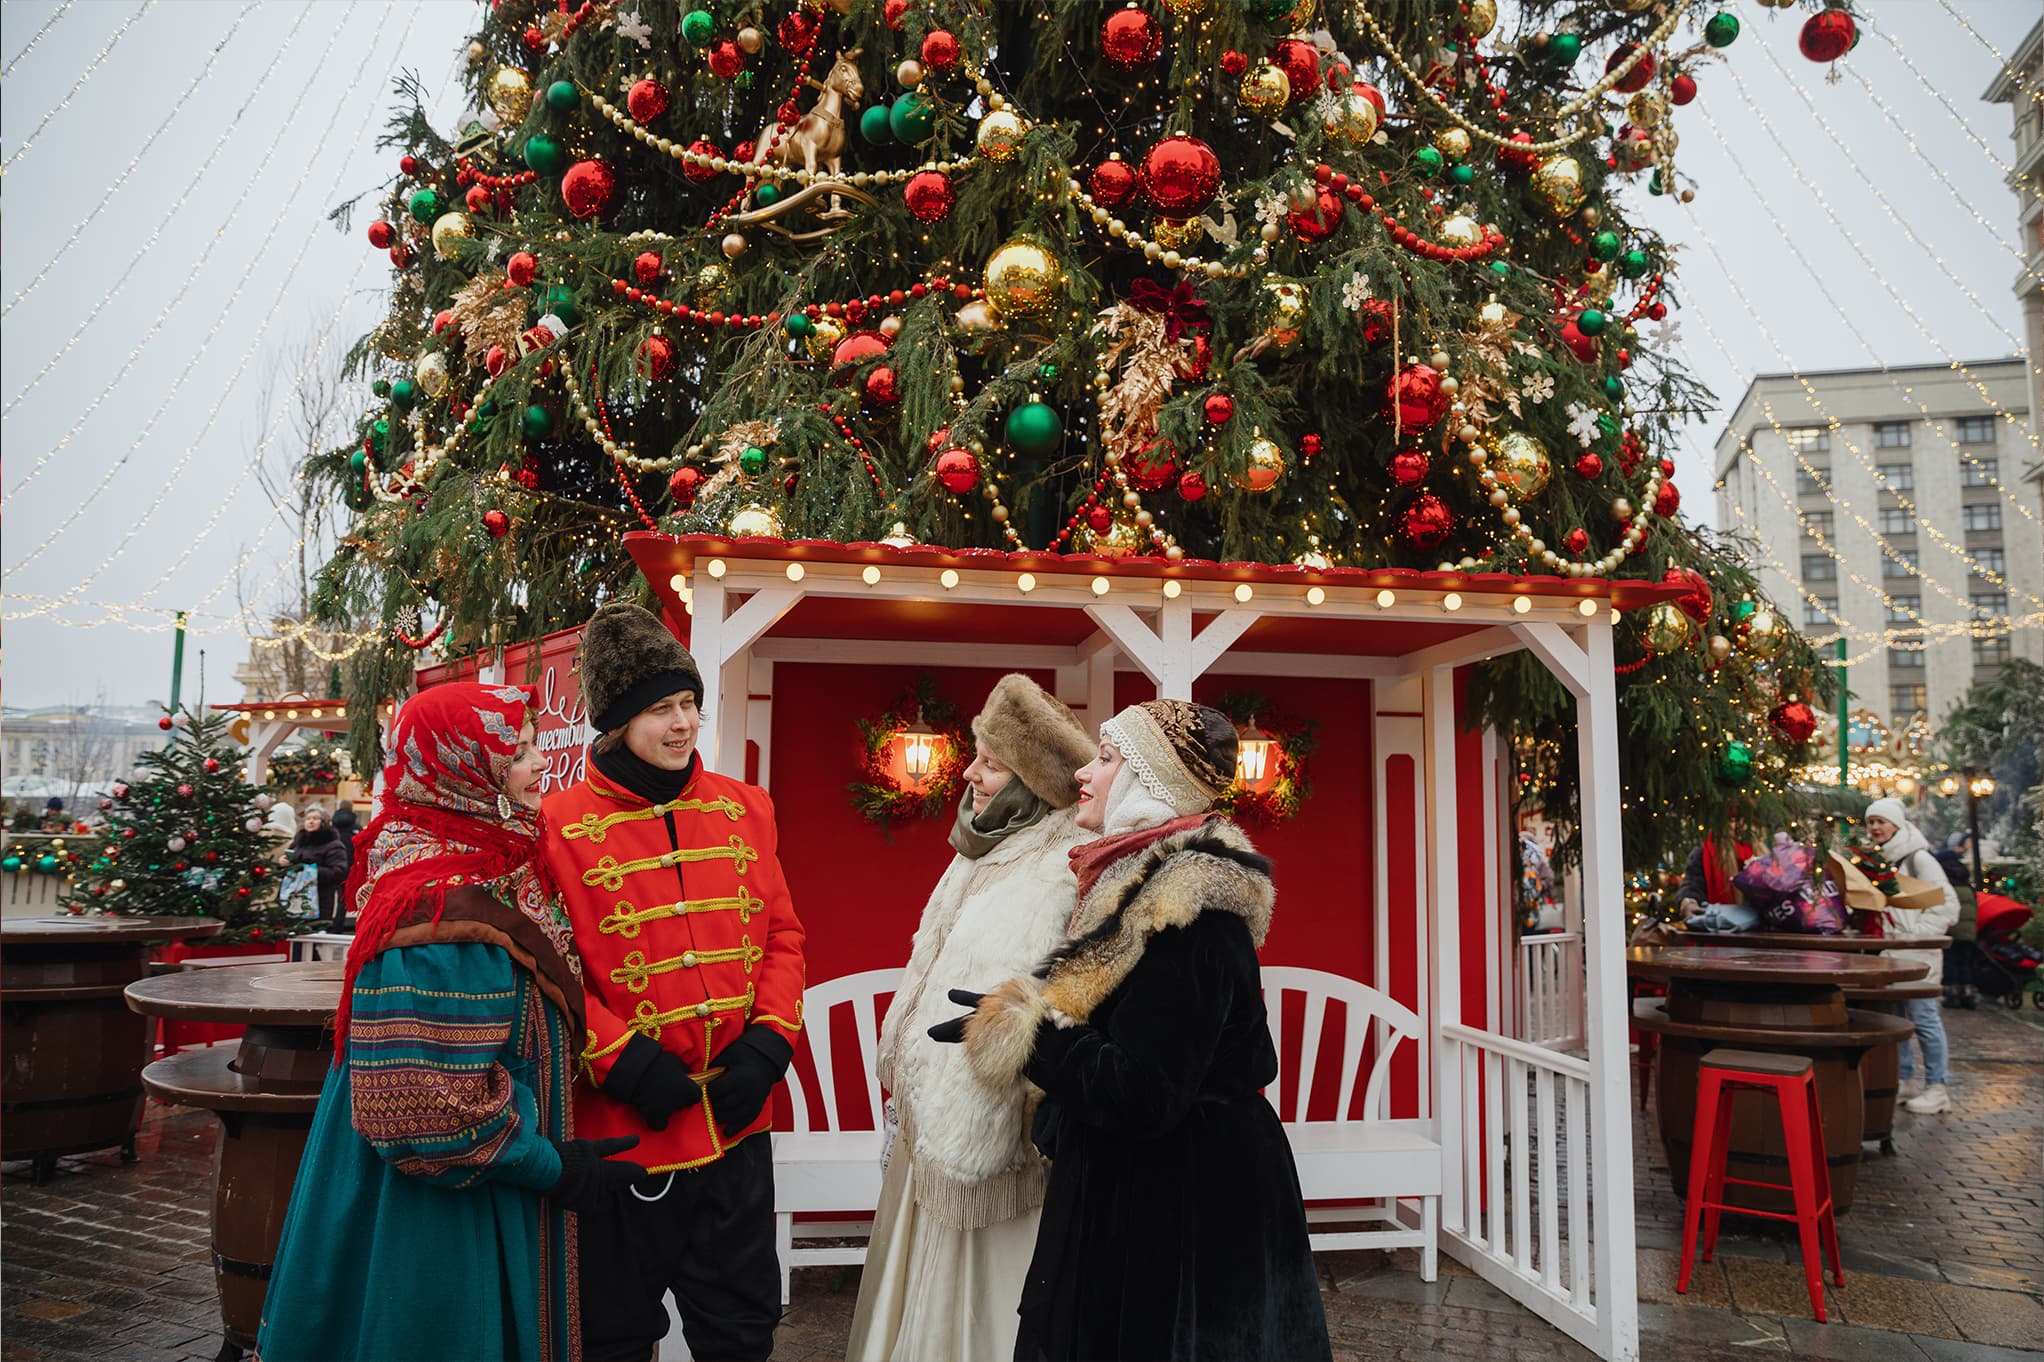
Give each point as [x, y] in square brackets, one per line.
[654, 784]
[325, 834]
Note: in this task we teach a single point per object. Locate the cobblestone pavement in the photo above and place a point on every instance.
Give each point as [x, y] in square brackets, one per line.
[1944, 1255]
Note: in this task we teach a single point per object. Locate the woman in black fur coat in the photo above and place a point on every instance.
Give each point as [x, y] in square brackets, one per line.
[1173, 1225]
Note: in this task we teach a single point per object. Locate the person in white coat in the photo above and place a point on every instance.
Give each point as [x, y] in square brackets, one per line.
[1904, 846]
[959, 1204]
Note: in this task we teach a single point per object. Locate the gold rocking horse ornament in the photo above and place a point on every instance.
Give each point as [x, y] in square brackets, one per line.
[816, 142]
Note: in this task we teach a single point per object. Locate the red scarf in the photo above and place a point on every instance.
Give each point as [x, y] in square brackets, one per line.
[1091, 859]
[440, 823]
[1717, 878]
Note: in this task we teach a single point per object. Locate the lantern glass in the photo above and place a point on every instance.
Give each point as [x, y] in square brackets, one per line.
[922, 750]
[1948, 786]
[1982, 786]
[1252, 756]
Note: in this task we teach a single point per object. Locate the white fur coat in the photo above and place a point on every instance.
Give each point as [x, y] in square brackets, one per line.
[986, 921]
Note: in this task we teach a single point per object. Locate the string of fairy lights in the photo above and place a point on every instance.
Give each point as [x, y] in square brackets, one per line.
[77, 85]
[48, 24]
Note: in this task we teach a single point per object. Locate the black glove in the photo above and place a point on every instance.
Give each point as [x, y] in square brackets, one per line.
[653, 1080]
[588, 1176]
[953, 1032]
[752, 1065]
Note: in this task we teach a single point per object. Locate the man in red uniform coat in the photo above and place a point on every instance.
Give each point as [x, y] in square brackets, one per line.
[692, 956]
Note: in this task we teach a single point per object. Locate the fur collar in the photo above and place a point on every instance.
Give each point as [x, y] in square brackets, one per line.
[1209, 868]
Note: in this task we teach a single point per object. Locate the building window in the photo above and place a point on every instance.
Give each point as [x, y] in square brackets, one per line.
[1898, 477]
[1891, 435]
[1906, 702]
[1820, 609]
[1991, 652]
[1990, 560]
[1899, 563]
[1898, 520]
[1989, 602]
[1820, 567]
[1982, 518]
[1809, 439]
[1819, 523]
[1976, 430]
[1980, 473]
[1903, 609]
[1905, 659]
[1813, 482]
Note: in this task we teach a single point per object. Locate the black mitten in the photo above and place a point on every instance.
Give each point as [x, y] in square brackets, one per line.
[752, 1065]
[953, 1032]
[589, 1176]
[653, 1080]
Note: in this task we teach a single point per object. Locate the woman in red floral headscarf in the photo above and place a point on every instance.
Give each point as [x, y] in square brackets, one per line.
[431, 1217]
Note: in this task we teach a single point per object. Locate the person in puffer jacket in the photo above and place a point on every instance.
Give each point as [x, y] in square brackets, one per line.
[1904, 846]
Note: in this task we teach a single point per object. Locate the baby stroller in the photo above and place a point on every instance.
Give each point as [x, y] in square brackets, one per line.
[2004, 966]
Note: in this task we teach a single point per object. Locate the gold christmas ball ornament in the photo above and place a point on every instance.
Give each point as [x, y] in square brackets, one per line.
[750, 40]
[1559, 184]
[1520, 464]
[1765, 633]
[823, 337]
[1646, 109]
[1459, 230]
[909, 74]
[449, 228]
[899, 537]
[976, 316]
[1479, 17]
[1453, 143]
[1281, 313]
[431, 371]
[1185, 9]
[1351, 120]
[753, 521]
[509, 95]
[707, 286]
[1176, 234]
[1265, 90]
[1024, 278]
[1720, 649]
[1266, 466]
[735, 245]
[1667, 629]
[1119, 540]
[1000, 135]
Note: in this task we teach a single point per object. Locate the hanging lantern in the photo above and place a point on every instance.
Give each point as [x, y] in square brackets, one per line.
[1253, 765]
[922, 750]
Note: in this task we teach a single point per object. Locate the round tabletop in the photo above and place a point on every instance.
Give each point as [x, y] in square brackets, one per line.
[302, 994]
[96, 931]
[1810, 941]
[1744, 965]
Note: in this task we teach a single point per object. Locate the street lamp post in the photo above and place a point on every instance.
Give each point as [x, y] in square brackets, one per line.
[1979, 785]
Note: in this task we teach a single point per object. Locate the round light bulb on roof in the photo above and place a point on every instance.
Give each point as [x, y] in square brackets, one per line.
[1386, 599]
[717, 568]
[1172, 589]
[1243, 592]
[1523, 604]
[948, 577]
[1315, 595]
[870, 575]
[1026, 583]
[796, 572]
[1587, 609]
[1100, 585]
[1451, 601]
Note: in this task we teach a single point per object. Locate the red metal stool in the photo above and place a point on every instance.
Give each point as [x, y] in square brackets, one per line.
[1787, 1077]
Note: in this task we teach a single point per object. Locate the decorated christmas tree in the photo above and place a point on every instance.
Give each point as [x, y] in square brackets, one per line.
[1293, 281]
[185, 838]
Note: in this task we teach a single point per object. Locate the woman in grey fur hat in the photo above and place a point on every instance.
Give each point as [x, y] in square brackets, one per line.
[959, 1205]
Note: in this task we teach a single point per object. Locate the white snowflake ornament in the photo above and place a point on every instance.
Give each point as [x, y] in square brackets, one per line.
[635, 28]
[1582, 423]
[1537, 388]
[1356, 291]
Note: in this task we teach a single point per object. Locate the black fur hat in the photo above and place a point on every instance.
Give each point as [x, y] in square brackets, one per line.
[627, 661]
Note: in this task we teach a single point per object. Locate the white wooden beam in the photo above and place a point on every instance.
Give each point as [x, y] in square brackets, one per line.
[1134, 637]
[881, 653]
[1221, 632]
[264, 738]
[1460, 652]
[1562, 654]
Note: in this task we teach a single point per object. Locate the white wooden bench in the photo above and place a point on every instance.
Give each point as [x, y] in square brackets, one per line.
[1373, 1159]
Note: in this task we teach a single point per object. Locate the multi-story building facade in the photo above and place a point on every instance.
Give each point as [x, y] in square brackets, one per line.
[1894, 507]
[2021, 86]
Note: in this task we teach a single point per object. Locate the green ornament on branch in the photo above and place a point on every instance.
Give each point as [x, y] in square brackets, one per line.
[1034, 429]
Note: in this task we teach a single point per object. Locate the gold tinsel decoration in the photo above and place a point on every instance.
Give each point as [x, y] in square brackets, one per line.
[488, 314]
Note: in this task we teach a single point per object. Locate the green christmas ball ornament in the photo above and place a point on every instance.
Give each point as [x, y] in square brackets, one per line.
[536, 422]
[1614, 387]
[1654, 185]
[1462, 175]
[752, 461]
[912, 118]
[1591, 322]
[12, 865]
[799, 325]
[358, 463]
[1501, 269]
[1034, 428]
[1047, 372]
[874, 126]
[765, 194]
[381, 387]
[1633, 264]
[424, 206]
[1604, 245]
[698, 26]
[560, 300]
[544, 155]
[1735, 763]
[562, 96]
[1564, 48]
[1428, 161]
[404, 394]
[47, 864]
[1721, 29]
[486, 408]
[379, 431]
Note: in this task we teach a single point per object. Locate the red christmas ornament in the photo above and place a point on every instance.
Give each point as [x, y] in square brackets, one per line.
[881, 388]
[164, 724]
[1320, 221]
[1131, 38]
[1112, 183]
[929, 195]
[894, 11]
[241, 892]
[1695, 602]
[1181, 175]
[657, 357]
[1192, 363]
[212, 766]
[647, 100]
[121, 790]
[497, 523]
[1667, 500]
[695, 172]
[1233, 62]
[382, 235]
[726, 61]
[1300, 62]
[957, 471]
[443, 319]
[683, 484]
[1099, 519]
[1191, 486]
[1377, 317]
[496, 360]
[184, 792]
[257, 871]
[1794, 720]
[408, 165]
[857, 348]
[1577, 540]
[797, 32]
[477, 199]
[1581, 346]
[400, 255]
[1682, 89]
[521, 269]
[1426, 524]
[1637, 78]
[1827, 36]
[1310, 445]
[940, 49]
[589, 189]
[1409, 466]
[647, 267]
[1375, 96]
[743, 151]
[1589, 464]
[1519, 155]
[1413, 397]
[1152, 467]
[1218, 409]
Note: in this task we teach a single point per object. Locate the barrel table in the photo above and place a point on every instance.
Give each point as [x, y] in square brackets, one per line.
[1880, 1069]
[1787, 1002]
[71, 1079]
[263, 1091]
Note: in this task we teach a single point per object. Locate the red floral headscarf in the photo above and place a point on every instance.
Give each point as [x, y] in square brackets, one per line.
[444, 820]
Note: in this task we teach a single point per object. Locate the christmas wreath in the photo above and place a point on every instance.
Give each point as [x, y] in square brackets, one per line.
[1285, 786]
[879, 794]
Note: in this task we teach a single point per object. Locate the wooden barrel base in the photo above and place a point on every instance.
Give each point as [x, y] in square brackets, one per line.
[1758, 1151]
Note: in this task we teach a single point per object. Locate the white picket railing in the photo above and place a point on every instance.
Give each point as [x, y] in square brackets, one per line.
[1551, 990]
[1522, 1177]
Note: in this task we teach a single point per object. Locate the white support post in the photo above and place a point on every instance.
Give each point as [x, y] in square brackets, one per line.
[1552, 645]
[1174, 682]
[1615, 1271]
[264, 738]
[1443, 943]
[724, 745]
[706, 643]
[759, 716]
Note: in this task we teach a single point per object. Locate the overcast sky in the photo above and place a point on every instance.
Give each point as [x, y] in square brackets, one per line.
[167, 256]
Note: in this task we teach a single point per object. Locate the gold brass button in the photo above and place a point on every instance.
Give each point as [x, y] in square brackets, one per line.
[702, 1009]
[688, 959]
